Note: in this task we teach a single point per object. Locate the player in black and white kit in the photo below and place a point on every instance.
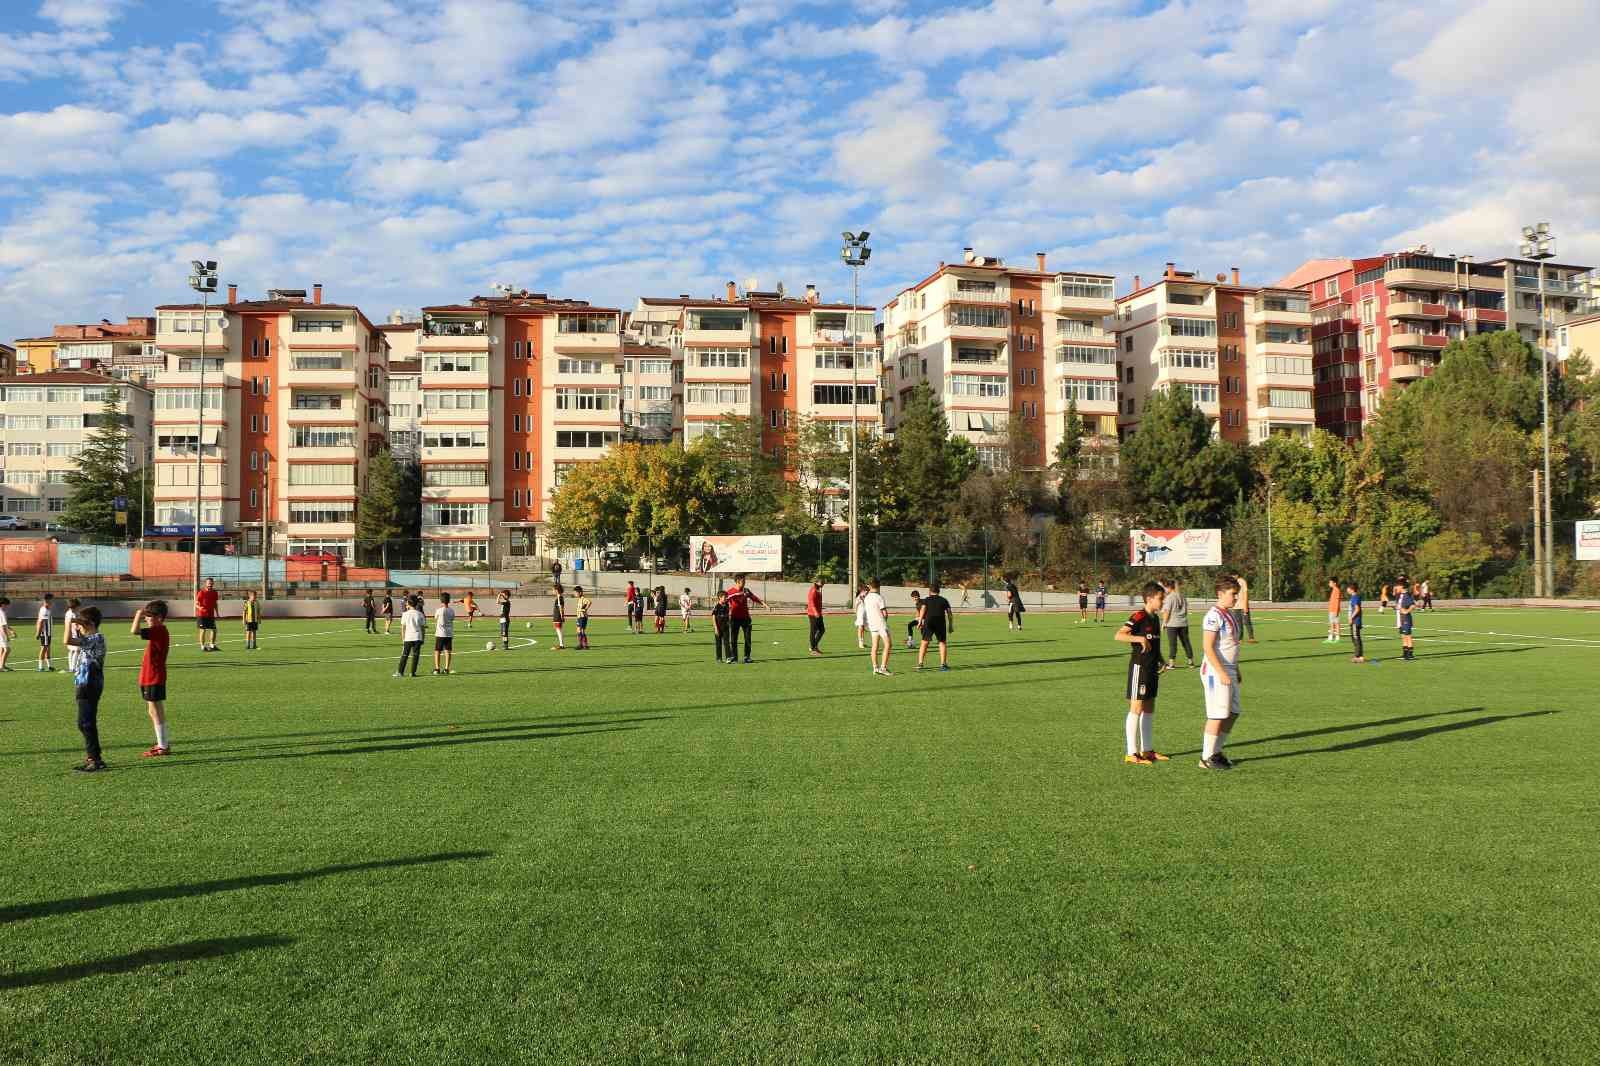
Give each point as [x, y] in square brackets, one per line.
[1143, 631]
[936, 621]
[505, 619]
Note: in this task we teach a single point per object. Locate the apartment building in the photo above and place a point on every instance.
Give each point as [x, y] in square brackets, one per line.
[1243, 352]
[995, 342]
[8, 360]
[516, 390]
[405, 387]
[123, 350]
[293, 407]
[768, 356]
[48, 418]
[1381, 323]
[1567, 294]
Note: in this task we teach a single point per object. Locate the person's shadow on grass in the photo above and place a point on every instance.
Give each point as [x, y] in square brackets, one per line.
[191, 951]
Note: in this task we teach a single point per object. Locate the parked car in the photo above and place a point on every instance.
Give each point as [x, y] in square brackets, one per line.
[313, 557]
[58, 527]
[618, 560]
[11, 521]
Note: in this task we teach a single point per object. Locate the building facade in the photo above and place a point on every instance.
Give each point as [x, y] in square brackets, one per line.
[995, 342]
[293, 407]
[122, 350]
[48, 418]
[405, 387]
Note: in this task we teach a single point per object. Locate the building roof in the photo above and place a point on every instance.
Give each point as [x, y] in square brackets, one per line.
[269, 306]
[640, 348]
[753, 303]
[521, 303]
[1535, 262]
[65, 377]
[399, 327]
[1313, 270]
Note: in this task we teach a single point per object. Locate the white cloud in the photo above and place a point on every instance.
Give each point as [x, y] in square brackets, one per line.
[82, 14]
[67, 139]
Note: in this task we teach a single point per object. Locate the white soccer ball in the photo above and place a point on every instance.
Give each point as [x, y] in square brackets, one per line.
[489, 646]
[530, 625]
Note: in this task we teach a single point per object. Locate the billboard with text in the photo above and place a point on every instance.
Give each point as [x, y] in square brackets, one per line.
[737, 554]
[1587, 540]
[1175, 547]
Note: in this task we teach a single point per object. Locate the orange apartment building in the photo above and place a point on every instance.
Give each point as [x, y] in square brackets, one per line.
[293, 408]
[996, 342]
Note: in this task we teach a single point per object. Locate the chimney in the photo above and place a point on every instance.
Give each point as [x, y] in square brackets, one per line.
[1235, 272]
[733, 292]
[1171, 269]
[1040, 257]
[1138, 283]
[233, 293]
[316, 293]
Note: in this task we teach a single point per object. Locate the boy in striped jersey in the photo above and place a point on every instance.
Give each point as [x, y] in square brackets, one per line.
[1143, 631]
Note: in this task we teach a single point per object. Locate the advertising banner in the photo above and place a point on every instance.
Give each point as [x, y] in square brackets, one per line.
[1587, 540]
[735, 554]
[1175, 547]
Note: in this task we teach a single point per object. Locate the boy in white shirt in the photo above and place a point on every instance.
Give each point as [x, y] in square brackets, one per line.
[6, 633]
[412, 624]
[686, 608]
[875, 614]
[444, 634]
[42, 629]
[68, 632]
[1219, 673]
[861, 616]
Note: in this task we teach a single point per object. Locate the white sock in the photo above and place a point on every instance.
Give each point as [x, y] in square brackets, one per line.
[1147, 729]
[561, 640]
[1131, 727]
[1208, 746]
[1222, 740]
[161, 735]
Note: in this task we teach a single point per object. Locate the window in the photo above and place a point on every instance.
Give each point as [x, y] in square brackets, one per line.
[254, 461]
[455, 400]
[1289, 398]
[834, 358]
[1080, 287]
[976, 355]
[580, 366]
[57, 395]
[1027, 376]
[20, 504]
[516, 349]
[455, 363]
[586, 399]
[602, 323]
[656, 392]
[322, 437]
[317, 401]
[1188, 327]
[16, 448]
[187, 399]
[772, 418]
[1188, 359]
[322, 511]
[24, 421]
[1084, 355]
[1286, 335]
[189, 322]
[976, 385]
[1128, 379]
[1086, 390]
[455, 438]
[1285, 364]
[1201, 392]
[722, 357]
[585, 438]
[1330, 288]
[455, 514]
[181, 474]
[318, 361]
[322, 474]
[977, 317]
[969, 285]
[516, 423]
[441, 477]
[448, 552]
[834, 394]
[56, 504]
[516, 460]
[1074, 327]
[1230, 320]
[655, 366]
[63, 451]
[730, 394]
[318, 325]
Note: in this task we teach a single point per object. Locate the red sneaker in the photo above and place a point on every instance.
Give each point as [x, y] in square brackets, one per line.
[1156, 756]
[155, 753]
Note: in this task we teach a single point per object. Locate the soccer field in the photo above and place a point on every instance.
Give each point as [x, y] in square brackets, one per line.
[633, 854]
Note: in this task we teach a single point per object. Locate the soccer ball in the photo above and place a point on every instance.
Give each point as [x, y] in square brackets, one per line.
[530, 625]
[489, 646]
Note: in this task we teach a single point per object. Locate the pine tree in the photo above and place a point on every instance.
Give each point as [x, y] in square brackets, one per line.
[101, 474]
[378, 521]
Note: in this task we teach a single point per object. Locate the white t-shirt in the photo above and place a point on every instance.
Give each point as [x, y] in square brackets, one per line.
[5, 641]
[412, 624]
[861, 610]
[44, 616]
[685, 603]
[876, 612]
[1226, 625]
[444, 622]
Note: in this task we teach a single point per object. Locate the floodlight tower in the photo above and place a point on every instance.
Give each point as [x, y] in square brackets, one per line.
[1539, 244]
[203, 280]
[855, 254]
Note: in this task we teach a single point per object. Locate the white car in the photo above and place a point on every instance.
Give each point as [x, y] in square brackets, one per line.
[11, 521]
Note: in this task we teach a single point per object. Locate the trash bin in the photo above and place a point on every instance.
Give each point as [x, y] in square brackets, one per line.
[577, 564]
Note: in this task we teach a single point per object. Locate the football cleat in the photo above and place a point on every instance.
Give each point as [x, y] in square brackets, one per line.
[1138, 760]
[1156, 756]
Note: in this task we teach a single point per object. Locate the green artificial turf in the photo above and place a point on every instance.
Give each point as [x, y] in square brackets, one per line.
[633, 854]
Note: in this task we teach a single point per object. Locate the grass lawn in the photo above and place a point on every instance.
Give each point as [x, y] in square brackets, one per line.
[632, 854]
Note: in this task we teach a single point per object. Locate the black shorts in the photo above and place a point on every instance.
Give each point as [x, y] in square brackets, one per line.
[1083, 603]
[1405, 627]
[251, 627]
[505, 626]
[1099, 603]
[154, 693]
[1143, 681]
[443, 643]
[44, 639]
[207, 622]
[935, 633]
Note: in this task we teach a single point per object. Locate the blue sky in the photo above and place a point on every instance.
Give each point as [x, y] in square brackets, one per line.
[406, 152]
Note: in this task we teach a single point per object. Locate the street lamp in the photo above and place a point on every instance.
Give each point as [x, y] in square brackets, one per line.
[204, 282]
[855, 254]
[1539, 244]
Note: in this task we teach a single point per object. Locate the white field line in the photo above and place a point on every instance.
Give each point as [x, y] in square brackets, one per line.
[528, 642]
[1537, 638]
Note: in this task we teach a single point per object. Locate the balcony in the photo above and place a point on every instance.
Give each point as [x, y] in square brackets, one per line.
[343, 415]
[1077, 298]
[977, 357]
[1485, 314]
[1291, 411]
[1417, 309]
[1278, 312]
[1553, 286]
[997, 295]
[342, 378]
[1408, 339]
[991, 326]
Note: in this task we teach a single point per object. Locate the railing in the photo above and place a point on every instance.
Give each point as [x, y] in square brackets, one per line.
[453, 329]
[1564, 286]
[986, 296]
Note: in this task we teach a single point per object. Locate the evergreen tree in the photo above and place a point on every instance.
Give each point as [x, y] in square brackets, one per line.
[928, 467]
[1174, 474]
[379, 520]
[101, 473]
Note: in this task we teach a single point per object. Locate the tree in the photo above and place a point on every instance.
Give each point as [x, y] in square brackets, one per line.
[1174, 474]
[926, 465]
[1452, 560]
[101, 473]
[379, 518]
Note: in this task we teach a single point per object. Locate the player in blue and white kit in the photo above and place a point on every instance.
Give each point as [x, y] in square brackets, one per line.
[1357, 621]
[1222, 632]
[1405, 607]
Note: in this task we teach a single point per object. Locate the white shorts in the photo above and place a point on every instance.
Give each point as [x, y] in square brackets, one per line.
[1222, 700]
[861, 619]
[1333, 618]
[884, 632]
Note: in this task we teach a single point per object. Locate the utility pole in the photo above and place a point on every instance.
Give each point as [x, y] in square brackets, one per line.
[1539, 588]
[1539, 244]
[855, 254]
[203, 281]
[266, 519]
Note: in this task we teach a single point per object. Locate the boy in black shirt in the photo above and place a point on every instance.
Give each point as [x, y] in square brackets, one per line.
[719, 627]
[937, 621]
[505, 619]
[1143, 631]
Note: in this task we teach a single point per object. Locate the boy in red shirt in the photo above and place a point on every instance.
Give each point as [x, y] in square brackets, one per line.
[739, 600]
[150, 625]
[814, 614]
[205, 615]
